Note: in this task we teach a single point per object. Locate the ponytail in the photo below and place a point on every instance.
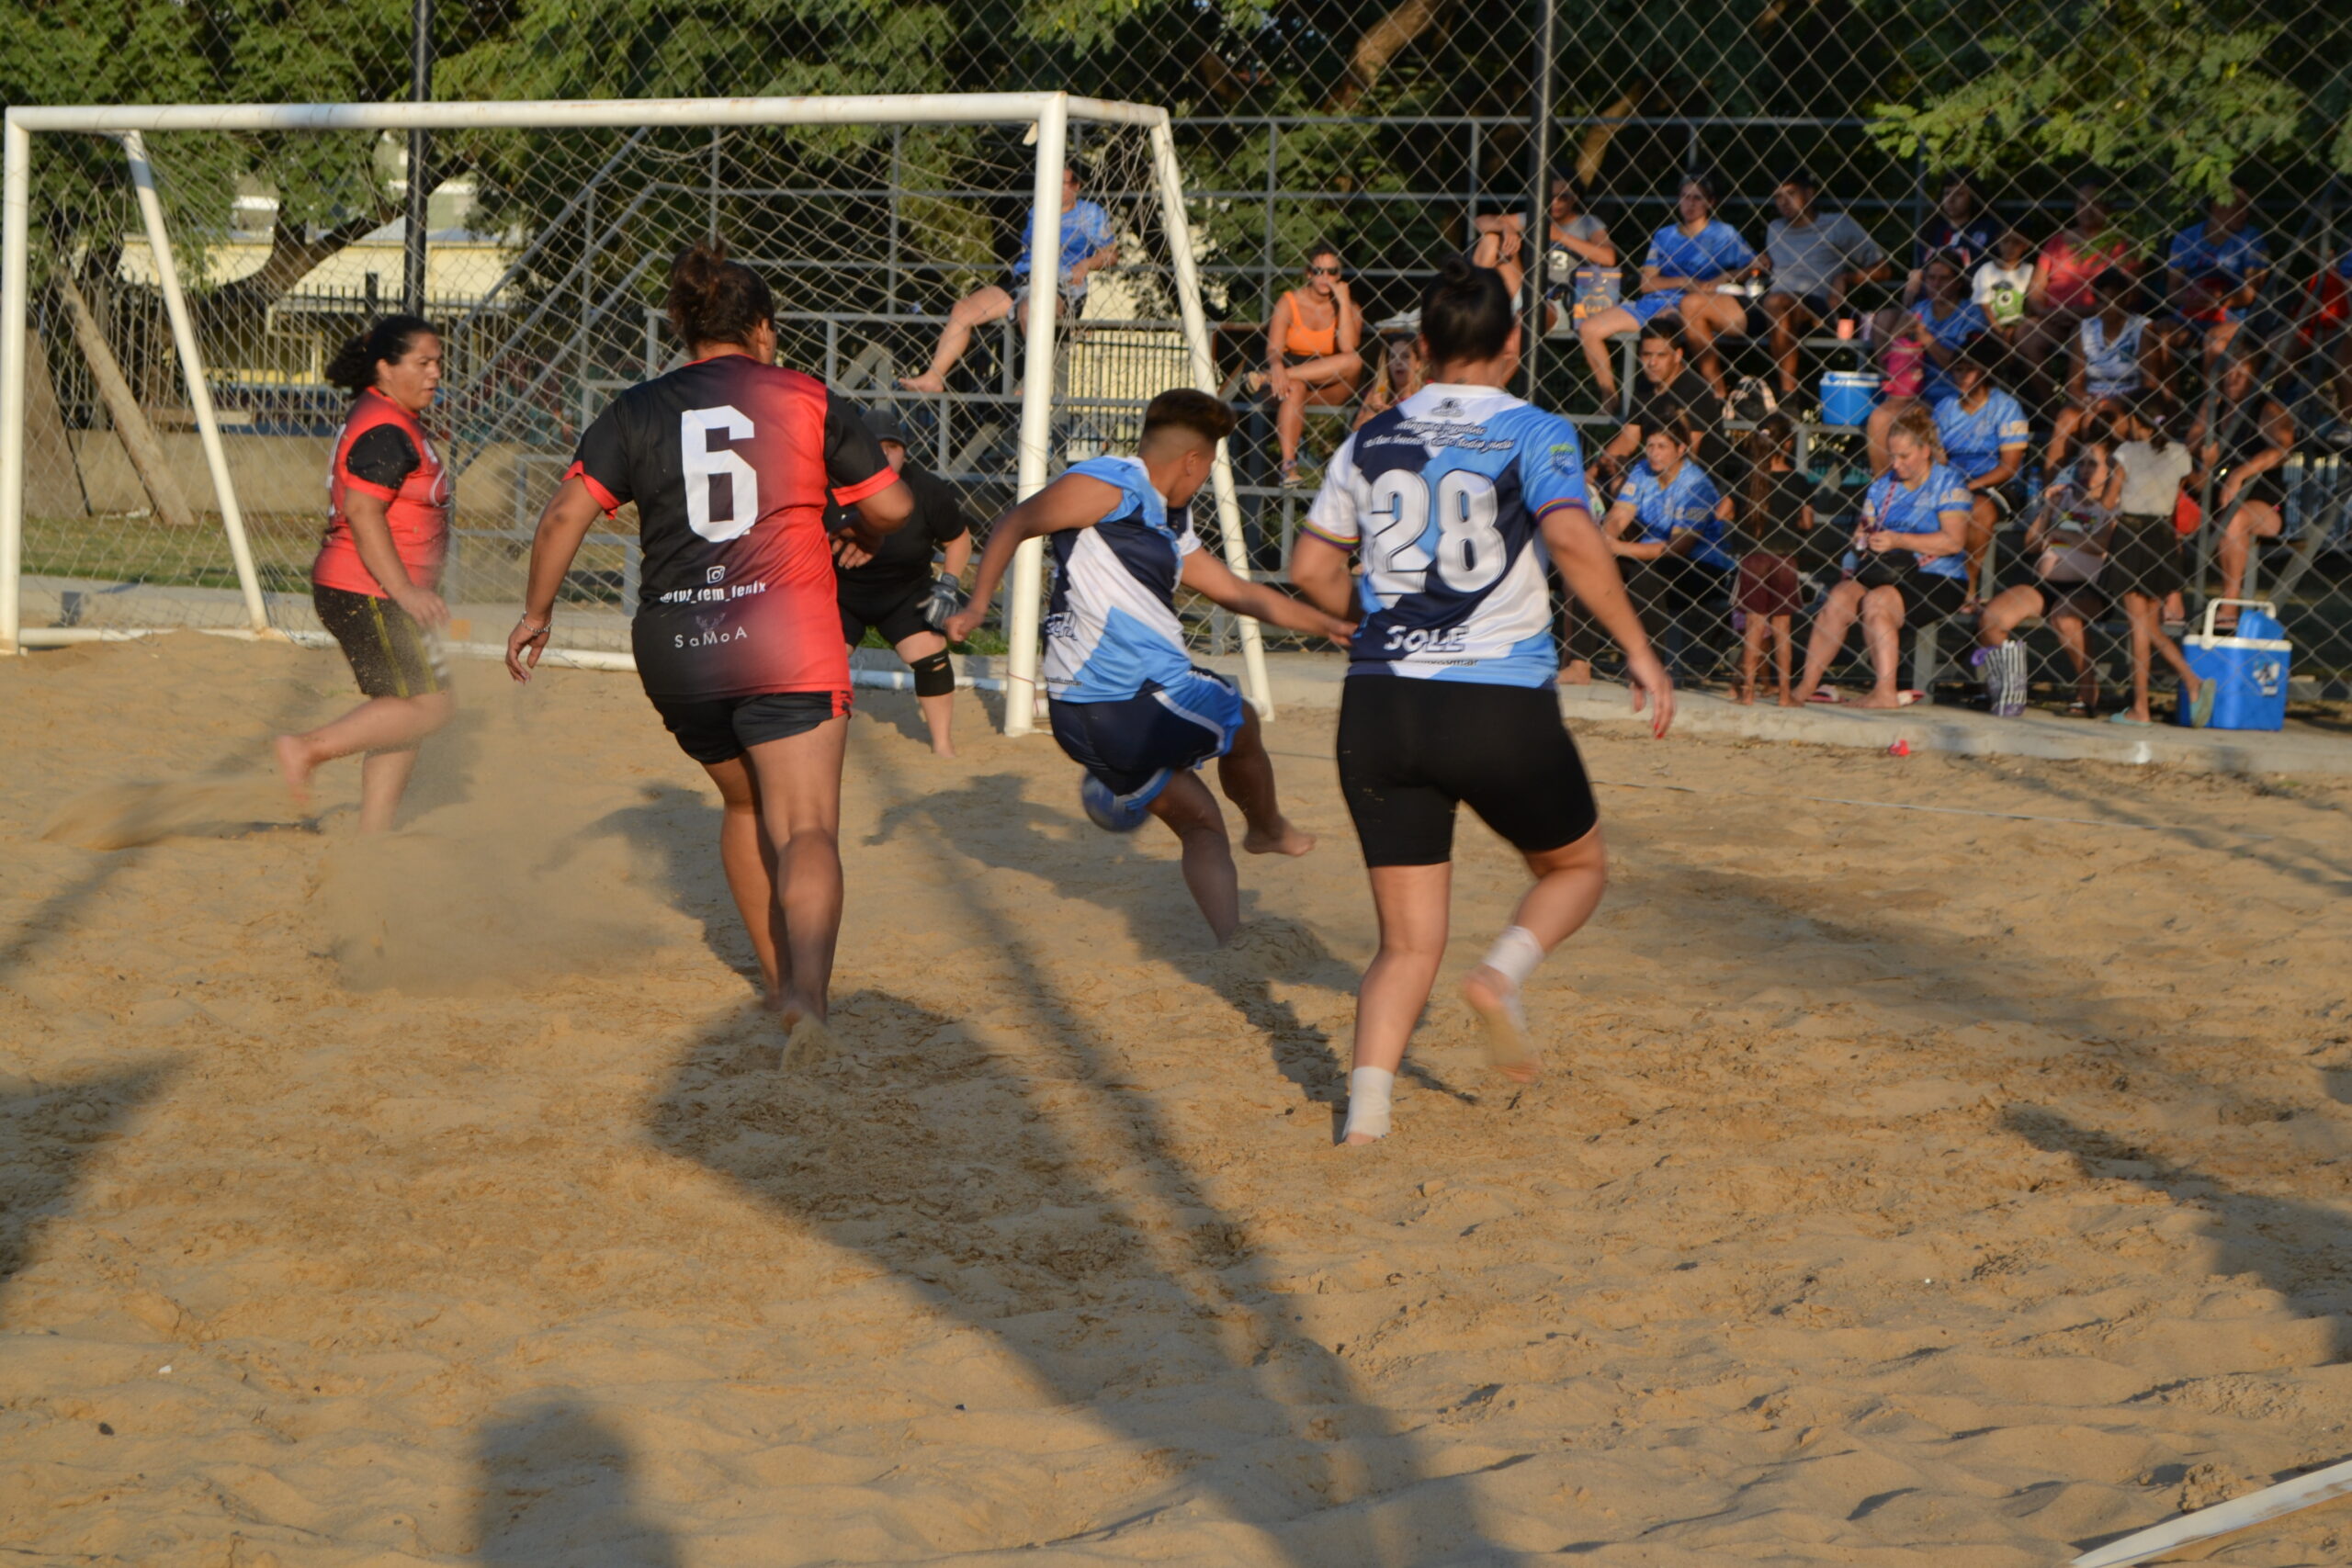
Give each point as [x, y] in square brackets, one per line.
[713, 299]
[1773, 432]
[2153, 410]
[1465, 312]
[389, 339]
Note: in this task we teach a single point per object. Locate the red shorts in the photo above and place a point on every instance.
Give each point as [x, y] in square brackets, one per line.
[1768, 585]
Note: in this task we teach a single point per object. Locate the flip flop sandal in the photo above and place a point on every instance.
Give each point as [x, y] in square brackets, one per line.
[2127, 718]
[2201, 707]
[1905, 699]
[1827, 697]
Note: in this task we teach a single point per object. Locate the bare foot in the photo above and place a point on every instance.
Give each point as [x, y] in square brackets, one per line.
[808, 1043]
[1879, 700]
[1577, 672]
[1743, 696]
[1496, 1002]
[1788, 701]
[941, 749]
[926, 382]
[294, 766]
[1281, 839]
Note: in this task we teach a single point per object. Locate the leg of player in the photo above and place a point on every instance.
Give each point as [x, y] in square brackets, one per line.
[749, 860]
[389, 730]
[1246, 773]
[1411, 903]
[973, 312]
[1193, 814]
[800, 812]
[1570, 882]
[926, 657]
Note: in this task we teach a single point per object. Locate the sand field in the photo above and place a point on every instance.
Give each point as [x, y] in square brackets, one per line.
[1908, 1188]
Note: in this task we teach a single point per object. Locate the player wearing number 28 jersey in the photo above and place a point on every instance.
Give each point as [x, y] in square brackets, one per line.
[731, 461]
[1450, 502]
[1443, 497]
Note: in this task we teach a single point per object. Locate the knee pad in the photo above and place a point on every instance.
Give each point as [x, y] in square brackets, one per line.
[934, 675]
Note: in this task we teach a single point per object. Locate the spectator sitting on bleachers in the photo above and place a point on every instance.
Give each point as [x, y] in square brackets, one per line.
[1400, 375]
[1667, 528]
[1088, 246]
[2114, 355]
[1578, 239]
[2068, 545]
[1311, 351]
[2247, 440]
[1814, 258]
[1687, 259]
[1983, 432]
[1919, 349]
[2214, 273]
[2060, 294]
[1775, 511]
[1961, 227]
[2002, 283]
[1668, 391]
[1906, 561]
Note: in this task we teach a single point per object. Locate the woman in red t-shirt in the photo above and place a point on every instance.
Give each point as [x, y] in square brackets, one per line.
[376, 581]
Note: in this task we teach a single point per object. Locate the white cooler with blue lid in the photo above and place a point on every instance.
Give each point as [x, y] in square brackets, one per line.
[2248, 666]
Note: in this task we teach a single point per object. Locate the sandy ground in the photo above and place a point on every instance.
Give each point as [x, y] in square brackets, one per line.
[1910, 1189]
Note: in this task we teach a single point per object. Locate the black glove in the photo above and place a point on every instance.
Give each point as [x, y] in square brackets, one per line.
[946, 597]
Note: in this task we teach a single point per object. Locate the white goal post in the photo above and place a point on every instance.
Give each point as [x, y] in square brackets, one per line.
[1049, 116]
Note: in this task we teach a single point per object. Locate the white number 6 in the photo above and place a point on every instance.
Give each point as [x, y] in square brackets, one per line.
[706, 467]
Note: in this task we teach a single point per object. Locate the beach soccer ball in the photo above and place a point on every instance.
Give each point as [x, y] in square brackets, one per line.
[1106, 810]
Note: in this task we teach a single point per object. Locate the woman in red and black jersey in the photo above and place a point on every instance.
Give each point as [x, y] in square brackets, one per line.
[378, 574]
[731, 461]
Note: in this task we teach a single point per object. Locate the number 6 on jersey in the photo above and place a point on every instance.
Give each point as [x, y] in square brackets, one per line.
[707, 468]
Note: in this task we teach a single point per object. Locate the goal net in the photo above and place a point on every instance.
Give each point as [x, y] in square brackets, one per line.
[176, 279]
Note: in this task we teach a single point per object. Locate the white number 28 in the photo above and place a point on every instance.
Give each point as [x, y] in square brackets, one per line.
[706, 466]
[1467, 553]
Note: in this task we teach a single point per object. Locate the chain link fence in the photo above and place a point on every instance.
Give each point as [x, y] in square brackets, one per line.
[1992, 161]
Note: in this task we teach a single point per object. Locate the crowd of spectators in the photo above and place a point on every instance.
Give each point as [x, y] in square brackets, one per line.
[2029, 377]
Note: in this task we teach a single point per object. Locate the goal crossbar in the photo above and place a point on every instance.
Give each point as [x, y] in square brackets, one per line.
[1050, 114]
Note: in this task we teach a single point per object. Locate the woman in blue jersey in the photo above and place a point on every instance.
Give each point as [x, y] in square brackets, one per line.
[1453, 499]
[1909, 560]
[1666, 530]
[1127, 705]
[1688, 259]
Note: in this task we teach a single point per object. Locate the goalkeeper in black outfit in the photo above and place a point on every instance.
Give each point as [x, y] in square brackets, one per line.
[894, 590]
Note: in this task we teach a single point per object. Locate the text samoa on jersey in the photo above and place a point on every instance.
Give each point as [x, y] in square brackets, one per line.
[710, 638]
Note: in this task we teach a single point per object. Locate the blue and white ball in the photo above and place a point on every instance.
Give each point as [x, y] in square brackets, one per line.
[1106, 810]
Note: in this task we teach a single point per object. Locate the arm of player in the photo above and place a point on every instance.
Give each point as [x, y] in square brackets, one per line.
[371, 533]
[1214, 581]
[1073, 500]
[884, 512]
[1319, 569]
[958, 553]
[570, 513]
[1590, 573]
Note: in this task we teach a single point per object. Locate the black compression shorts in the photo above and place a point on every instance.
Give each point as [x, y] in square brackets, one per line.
[894, 609]
[390, 654]
[720, 729]
[1409, 749]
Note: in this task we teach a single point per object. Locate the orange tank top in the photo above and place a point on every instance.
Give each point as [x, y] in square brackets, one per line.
[1303, 342]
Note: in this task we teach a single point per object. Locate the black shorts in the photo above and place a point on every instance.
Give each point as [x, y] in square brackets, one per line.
[894, 608]
[720, 729]
[390, 654]
[1411, 749]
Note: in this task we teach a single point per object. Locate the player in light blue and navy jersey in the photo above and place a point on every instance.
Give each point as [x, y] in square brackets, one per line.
[1985, 436]
[1908, 560]
[1450, 501]
[1688, 258]
[1126, 702]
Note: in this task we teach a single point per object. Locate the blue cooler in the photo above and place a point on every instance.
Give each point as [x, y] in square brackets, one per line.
[1847, 397]
[2248, 667]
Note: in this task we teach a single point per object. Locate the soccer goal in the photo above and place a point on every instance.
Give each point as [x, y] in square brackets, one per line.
[174, 279]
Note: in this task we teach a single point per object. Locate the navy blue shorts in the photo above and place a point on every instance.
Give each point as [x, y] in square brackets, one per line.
[1134, 745]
